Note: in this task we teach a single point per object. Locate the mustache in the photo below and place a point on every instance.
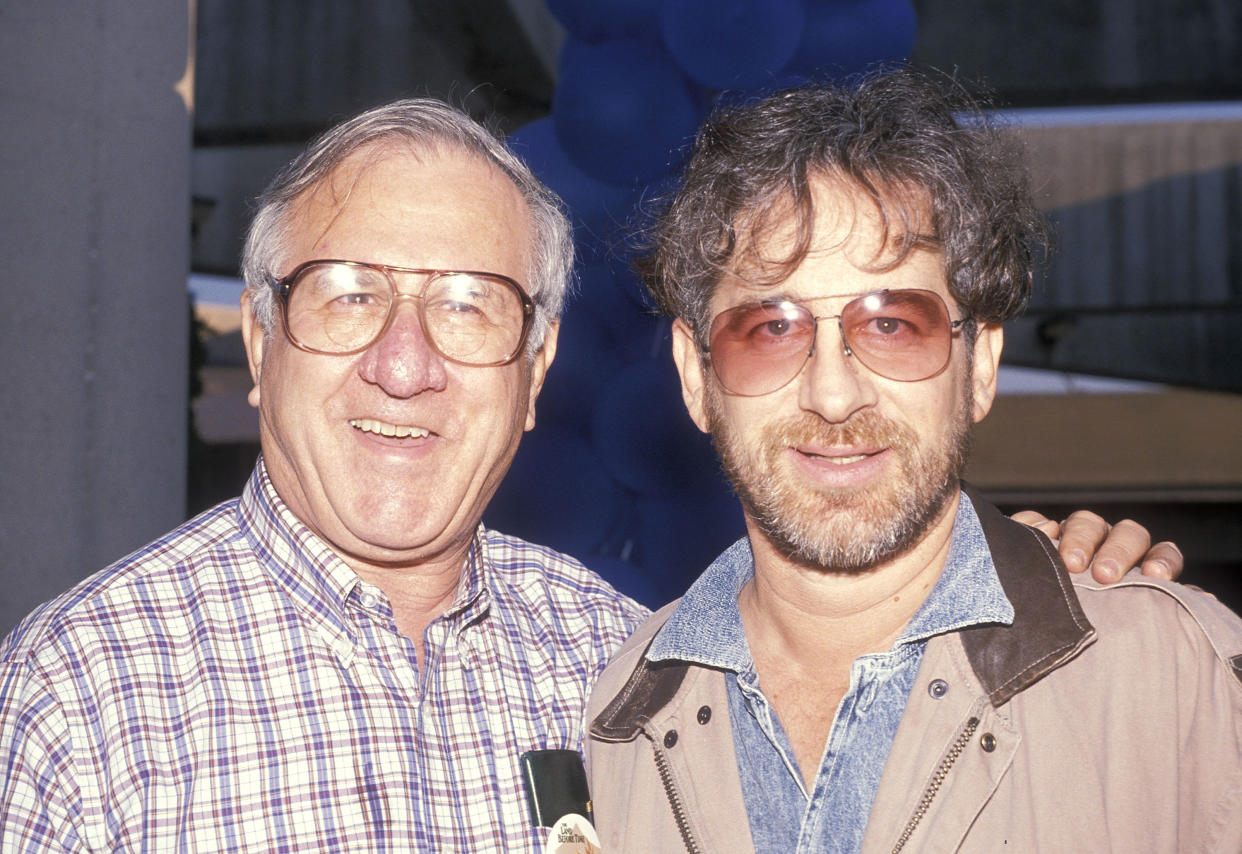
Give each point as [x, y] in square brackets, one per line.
[862, 428]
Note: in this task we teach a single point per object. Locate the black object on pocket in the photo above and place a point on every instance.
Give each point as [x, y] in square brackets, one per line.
[556, 785]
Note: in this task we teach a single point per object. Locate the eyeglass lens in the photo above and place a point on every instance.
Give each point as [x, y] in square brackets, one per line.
[343, 308]
[901, 334]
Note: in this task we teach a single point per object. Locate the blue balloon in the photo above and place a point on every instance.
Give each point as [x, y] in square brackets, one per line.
[599, 20]
[678, 536]
[732, 43]
[587, 356]
[643, 434]
[630, 578]
[608, 294]
[623, 110]
[557, 493]
[843, 37]
[597, 207]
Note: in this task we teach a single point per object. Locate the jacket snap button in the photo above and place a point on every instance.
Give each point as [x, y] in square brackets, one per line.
[988, 742]
[670, 738]
[938, 688]
[705, 714]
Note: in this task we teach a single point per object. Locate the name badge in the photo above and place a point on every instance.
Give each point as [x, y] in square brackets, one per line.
[572, 834]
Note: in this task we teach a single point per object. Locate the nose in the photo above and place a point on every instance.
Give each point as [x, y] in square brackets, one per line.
[402, 362]
[833, 384]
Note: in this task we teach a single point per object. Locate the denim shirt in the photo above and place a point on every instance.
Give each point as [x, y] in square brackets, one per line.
[706, 628]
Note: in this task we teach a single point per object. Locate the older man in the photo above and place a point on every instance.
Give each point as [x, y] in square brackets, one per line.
[885, 662]
[343, 658]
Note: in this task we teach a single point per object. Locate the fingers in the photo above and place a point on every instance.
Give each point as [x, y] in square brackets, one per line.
[1040, 521]
[1126, 545]
[1164, 560]
[1082, 535]
[1086, 540]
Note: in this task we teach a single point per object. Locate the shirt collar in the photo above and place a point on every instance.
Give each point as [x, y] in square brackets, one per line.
[474, 590]
[706, 626]
[968, 592]
[304, 565]
[315, 576]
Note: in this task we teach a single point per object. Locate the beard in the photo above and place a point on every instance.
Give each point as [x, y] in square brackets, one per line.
[842, 530]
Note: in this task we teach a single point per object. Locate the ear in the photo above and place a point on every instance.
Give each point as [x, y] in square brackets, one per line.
[692, 370]
[539, 369]
[253, 339]
[988, 343]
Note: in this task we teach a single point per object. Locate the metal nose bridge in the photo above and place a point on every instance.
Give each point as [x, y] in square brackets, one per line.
[815, 319]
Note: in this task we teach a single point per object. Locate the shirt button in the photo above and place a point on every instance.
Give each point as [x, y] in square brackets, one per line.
[705, 714]
[670, 738]
[368, 601]
[987, 742]
[937, 688]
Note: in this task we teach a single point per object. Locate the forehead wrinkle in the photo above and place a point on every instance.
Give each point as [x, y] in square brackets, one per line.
[904, 214]
[322, 206]
[336, 192]
[768, 246]
[341, 202]
[773, 240]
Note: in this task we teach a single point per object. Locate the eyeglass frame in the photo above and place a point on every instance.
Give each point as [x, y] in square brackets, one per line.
[283, 286]
[705, 350]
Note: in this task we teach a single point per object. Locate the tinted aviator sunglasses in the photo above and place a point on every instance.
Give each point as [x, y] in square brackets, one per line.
[759, 347]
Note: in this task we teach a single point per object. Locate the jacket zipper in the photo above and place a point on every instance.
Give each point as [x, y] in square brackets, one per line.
[674, 801]
[937, 780]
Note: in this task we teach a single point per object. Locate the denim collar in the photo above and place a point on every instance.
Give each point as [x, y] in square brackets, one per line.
[706, 626]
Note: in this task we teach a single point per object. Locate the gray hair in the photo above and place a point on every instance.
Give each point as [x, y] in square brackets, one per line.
[425, 123]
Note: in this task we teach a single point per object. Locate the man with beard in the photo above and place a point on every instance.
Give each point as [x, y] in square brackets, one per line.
[886, 662]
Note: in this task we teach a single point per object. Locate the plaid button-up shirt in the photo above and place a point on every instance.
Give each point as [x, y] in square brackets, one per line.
[234, 686]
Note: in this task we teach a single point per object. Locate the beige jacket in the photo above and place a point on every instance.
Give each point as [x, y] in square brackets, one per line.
[1104, 719]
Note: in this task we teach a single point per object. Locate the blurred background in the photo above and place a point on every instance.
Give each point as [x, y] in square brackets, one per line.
[137, 133]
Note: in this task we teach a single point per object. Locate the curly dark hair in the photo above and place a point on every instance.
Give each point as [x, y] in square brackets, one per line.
[916, 145]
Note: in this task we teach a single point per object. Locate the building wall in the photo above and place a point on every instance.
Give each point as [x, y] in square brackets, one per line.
[93, 254]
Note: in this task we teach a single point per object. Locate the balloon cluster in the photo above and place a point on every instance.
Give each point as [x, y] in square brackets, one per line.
[616, 474]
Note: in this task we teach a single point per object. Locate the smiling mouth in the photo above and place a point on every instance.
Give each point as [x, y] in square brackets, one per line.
[391, 431]
[839, 460]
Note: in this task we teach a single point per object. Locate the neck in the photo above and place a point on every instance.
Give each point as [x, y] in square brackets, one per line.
[813, 615]
[418, 594]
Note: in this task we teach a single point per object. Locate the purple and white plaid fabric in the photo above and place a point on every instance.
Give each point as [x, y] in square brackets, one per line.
[234, 686]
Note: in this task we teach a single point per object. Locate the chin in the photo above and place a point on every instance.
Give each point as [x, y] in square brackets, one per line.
[853, 537]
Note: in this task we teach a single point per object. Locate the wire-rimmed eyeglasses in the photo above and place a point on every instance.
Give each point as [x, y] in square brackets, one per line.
[759, 347]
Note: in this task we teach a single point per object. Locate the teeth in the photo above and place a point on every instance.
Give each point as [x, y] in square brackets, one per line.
[841, 461]
[383, 428]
